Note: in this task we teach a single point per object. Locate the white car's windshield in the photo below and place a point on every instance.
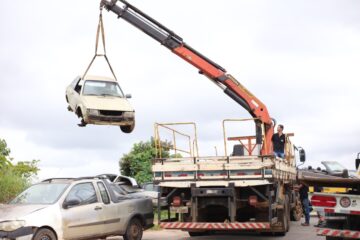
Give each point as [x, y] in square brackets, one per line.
[102, 88]
[43, 193]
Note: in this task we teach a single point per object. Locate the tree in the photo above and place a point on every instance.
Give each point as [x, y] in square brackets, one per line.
[4, 154]
[14, 178]
[137, 163]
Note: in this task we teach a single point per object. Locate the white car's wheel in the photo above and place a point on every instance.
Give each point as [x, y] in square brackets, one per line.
[134, 230]
[128, 128]
[44, 234]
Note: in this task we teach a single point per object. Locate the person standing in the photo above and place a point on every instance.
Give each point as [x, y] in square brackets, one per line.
[304, 197]
[278, 140]
[320, 214]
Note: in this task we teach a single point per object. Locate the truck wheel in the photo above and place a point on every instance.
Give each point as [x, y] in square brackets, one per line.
[297, 211]
[44, 234]
[134, 230]
[197, 234]
[287, 208]
[283, 218]
[128, 128]
[334, 225]
[333, 238]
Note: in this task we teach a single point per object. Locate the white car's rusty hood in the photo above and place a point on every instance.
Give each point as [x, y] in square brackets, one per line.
[107, 103]
[16, 211]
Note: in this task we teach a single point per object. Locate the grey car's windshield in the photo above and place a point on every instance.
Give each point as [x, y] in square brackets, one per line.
[43, 193]
[333, 166]
[102, 88]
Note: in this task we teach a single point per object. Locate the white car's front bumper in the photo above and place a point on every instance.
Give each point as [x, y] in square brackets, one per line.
[23, 233]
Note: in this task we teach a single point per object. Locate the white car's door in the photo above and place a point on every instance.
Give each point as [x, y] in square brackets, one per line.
[83, 217]
[110, 213]
[126, 208]
[73, 92]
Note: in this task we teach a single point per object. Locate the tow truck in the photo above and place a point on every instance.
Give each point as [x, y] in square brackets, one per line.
[249, 189]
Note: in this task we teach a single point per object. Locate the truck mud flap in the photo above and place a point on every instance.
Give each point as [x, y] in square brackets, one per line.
[338, 233]
[215, 226]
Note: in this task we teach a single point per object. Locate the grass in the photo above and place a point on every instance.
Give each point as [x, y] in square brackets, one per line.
[10, 185]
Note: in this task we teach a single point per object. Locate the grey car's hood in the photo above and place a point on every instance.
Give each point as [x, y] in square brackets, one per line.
[16, 211]
[107, 103]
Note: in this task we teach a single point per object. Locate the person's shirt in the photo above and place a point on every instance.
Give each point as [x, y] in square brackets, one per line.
[304, 190]
[278, 142]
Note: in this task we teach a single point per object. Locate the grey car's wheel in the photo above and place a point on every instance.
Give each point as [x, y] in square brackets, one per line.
[128, 128]
[134, 230]
[44, 234]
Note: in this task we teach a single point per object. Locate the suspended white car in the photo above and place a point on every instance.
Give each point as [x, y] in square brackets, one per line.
[100, 100]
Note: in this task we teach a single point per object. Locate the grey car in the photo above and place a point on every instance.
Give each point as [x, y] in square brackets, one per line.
[129, 186]
[82, 208]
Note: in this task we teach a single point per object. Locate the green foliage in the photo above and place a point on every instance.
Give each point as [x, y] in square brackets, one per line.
[4, 154]
[137, 163]
[26, 169]
[14, 178]
[4, 150]
[11, 184]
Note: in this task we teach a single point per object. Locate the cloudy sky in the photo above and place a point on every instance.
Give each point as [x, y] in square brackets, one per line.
[301, 58]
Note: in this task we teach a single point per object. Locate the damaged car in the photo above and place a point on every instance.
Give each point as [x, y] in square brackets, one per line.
[100, 100]
[74, 208]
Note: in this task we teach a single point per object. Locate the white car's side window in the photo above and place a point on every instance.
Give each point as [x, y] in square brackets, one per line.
[104, 195]
[84, 193]
[78, 86]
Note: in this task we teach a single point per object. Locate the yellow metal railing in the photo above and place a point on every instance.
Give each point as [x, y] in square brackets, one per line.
[192, 151]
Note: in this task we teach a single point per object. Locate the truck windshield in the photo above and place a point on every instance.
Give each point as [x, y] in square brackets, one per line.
[43, 193]
[102, 88]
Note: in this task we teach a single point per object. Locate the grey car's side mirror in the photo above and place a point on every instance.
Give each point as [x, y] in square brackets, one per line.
[128, 96]
[71, 203]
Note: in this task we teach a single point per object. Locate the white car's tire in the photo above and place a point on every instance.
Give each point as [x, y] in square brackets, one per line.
[134, 230]
[128, 128]
[44, 234]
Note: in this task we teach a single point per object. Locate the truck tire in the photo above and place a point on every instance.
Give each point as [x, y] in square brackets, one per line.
[284, 218]
[334, 225]
[134, 230]
[297, 211]
[44, 234]
[197, 234]
[287, 208]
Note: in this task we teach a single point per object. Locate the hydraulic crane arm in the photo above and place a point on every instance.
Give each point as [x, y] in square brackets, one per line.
[209, 68]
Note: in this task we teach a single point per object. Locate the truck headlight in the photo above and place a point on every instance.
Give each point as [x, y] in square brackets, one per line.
[93, 112]
[9, 226]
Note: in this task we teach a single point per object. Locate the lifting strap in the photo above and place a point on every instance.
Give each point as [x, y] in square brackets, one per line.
[100, 28]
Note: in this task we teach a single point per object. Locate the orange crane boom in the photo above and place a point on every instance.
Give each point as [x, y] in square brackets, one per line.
[207, 67]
